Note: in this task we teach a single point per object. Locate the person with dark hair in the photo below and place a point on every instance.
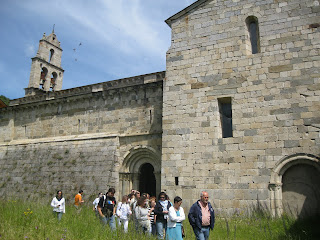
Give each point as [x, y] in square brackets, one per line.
[161, 211]
[201, 217]
[175, 217]
[147, 196]
[78, 200]
[107, 209]
[142, 215]
[59, 205]
[95, 203]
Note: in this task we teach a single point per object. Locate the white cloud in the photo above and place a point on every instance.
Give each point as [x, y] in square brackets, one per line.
[121, 24]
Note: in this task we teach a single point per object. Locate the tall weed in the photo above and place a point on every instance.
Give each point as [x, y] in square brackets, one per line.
[29, 220]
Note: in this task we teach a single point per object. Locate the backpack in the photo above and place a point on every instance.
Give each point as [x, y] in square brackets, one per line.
[105, 210]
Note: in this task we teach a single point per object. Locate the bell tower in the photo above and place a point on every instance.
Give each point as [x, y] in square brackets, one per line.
[46, 72]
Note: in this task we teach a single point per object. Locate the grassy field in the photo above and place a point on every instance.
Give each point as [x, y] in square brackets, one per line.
[23, 220]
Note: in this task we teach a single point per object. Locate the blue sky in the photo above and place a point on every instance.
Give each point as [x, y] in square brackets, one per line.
[119, 38]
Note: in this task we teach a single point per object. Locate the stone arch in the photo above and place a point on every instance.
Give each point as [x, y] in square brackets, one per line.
[289, 166]
[43, 76]
[133, 162]
[53, 81]
[51, 55]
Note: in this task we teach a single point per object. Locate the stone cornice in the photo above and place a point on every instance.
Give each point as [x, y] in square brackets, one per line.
[82, 137]
[44, 40]
[184, 11]
[50, 64]
[87, 91]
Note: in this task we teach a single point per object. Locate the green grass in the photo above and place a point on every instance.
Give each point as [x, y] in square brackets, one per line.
[25, 220]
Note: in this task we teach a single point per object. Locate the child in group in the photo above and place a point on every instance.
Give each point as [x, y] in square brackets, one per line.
[152, 216]
[123, 212]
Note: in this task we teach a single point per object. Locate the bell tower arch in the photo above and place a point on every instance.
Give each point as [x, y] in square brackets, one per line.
[46, 72]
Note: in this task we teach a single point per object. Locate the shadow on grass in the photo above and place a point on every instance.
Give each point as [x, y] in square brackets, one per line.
[302, 228]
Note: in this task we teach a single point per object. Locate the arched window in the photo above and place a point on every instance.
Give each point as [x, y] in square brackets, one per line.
[43, 75]
[51, 54]
[253, 32]
[53, 82]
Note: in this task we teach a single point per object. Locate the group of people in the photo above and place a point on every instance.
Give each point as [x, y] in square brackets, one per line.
[158, 217]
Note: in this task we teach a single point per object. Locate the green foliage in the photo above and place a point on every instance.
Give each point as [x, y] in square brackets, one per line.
[25, 220]
[5, 99]
[22, 220]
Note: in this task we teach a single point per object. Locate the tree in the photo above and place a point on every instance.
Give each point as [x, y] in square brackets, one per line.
[5, 99]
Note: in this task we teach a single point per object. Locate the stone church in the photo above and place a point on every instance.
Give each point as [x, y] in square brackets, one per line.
[236, 113]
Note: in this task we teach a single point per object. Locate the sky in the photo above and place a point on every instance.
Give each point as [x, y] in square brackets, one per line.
[119, 39]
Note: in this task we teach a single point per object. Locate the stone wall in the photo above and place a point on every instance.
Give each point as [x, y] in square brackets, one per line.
[127, 106]
[37, 169]
[78, 138]
[100, 135]
[274, 96]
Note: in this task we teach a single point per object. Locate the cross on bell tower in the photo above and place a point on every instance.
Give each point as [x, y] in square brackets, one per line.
[46, 72]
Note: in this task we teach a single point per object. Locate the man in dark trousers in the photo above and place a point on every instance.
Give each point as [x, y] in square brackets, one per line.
[107, 208]
[201, 217]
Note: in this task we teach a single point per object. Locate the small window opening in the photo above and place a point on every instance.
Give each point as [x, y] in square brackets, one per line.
[150, 116]
[53, 80]
[253, 30]
[225, 110]
[43, 75]
[176, 179]
[51, 54]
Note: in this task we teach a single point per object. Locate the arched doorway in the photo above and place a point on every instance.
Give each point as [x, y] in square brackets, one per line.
[140, 170]
[147, 179]
[301, 190]
[294, 186]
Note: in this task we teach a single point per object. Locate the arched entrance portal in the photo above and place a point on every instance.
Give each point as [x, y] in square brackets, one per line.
[147, 180]
[301, 190]
[294, 186]
[140, 170]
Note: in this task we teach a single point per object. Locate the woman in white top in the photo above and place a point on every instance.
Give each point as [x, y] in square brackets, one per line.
[175, 217]
[58, 204]
[95, 204]
[123, 212]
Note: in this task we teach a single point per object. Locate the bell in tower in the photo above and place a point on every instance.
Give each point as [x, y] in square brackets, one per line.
[46, 72]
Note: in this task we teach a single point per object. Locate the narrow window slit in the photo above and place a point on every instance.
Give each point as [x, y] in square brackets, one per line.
[176, 179]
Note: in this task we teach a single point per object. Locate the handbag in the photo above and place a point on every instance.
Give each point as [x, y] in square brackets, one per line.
[182, 231]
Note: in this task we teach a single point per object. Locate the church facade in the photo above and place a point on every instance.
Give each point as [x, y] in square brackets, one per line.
[236, 113]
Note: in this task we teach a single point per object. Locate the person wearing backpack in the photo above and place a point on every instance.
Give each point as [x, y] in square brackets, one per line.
[107, 209]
